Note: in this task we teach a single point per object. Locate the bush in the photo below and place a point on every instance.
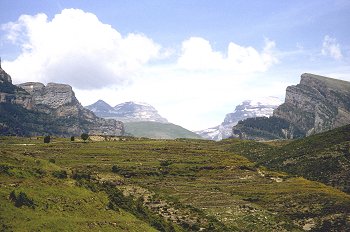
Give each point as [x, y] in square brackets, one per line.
[84, 136]
[165, 163]
[21, 199]
[61, 174]
[47, 139]
[72, 138]
[115, 169]
[78, 175]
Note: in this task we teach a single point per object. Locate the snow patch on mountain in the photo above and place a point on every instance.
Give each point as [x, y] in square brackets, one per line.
[127, 112]
[262, 107]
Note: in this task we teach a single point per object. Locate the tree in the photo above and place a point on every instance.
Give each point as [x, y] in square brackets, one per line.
[72, 138]
[84, 136]
[47, 139]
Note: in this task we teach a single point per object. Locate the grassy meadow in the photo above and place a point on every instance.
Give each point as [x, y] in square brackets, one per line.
[149, 185]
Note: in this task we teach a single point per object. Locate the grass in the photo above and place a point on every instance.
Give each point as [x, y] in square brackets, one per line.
[323, 157]
[158, 130]
[190, 184]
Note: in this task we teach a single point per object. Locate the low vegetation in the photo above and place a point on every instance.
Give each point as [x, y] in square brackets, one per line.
[165, 185]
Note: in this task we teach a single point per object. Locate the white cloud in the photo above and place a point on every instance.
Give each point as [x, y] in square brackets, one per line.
[76, 48]
[195, 89]
[197, 54]
[331, 48]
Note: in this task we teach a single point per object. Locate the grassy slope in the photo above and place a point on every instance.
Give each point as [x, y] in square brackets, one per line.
[158, 130]
[324, 157]
[60, 205]
[194, 183]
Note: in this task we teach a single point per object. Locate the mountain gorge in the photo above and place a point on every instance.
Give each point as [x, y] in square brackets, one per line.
[34, 109]
[247, 109]
[315, 105]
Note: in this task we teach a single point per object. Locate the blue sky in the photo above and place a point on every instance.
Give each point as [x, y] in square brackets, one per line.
[193, 60]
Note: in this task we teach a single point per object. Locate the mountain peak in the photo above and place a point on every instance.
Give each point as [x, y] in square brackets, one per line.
[127, 112]
[4, 77]
[260, 107]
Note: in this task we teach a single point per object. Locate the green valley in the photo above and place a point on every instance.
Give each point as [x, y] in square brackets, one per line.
[166, 185]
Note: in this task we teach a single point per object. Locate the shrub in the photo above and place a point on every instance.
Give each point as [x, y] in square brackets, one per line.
[84, 136]
[165, 163]
[115, 169]
[72, 138]
[78, 175]
[47, 139]
[61, 174]
[21, 199]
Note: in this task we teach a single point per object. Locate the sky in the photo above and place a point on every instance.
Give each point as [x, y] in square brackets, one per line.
[193, 60]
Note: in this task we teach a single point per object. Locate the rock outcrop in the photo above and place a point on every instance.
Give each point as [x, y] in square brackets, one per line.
[315, 105]
[53, 109]
[12, 94]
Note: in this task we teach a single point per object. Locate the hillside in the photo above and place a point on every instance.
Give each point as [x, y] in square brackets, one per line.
[158, 130]
[168, 185]
[323, 157]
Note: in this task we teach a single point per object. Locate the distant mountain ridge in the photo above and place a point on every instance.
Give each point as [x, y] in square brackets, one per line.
[262, 107]
[35, 109]
[141, 120]
[127, 111]
[315, 105]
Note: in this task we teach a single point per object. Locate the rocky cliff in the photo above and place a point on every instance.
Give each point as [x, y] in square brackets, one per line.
[33, 108]
[262, 107]
[317, 104]
[314, 105]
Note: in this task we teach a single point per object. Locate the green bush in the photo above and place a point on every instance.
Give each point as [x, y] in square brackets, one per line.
[47, 139]
[72, 138]
[115, 169]
[21, 199]
[61, 174]
[84, 136]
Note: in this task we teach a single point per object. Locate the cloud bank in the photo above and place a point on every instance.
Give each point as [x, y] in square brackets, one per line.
[197, 54]
[76, 48]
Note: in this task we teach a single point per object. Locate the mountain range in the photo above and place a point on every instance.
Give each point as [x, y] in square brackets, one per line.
[141, 120]
[127, 111]
[247, 109]
[315, 105]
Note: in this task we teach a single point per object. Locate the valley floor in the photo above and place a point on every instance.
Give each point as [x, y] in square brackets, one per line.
[150, 185]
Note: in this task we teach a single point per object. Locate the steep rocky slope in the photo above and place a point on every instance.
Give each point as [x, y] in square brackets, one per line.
[33, 108]
[315, 105]
[247, 109]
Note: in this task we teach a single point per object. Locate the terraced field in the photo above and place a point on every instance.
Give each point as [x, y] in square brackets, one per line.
[148, 185]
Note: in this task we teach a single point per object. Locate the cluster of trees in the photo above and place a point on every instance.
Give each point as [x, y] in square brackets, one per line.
[84, 136]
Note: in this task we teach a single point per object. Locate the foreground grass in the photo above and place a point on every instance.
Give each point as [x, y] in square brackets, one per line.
[191, 184]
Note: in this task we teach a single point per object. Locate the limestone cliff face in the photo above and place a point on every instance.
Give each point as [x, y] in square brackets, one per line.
[12, 94]
[51, 109]
[317, 104]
